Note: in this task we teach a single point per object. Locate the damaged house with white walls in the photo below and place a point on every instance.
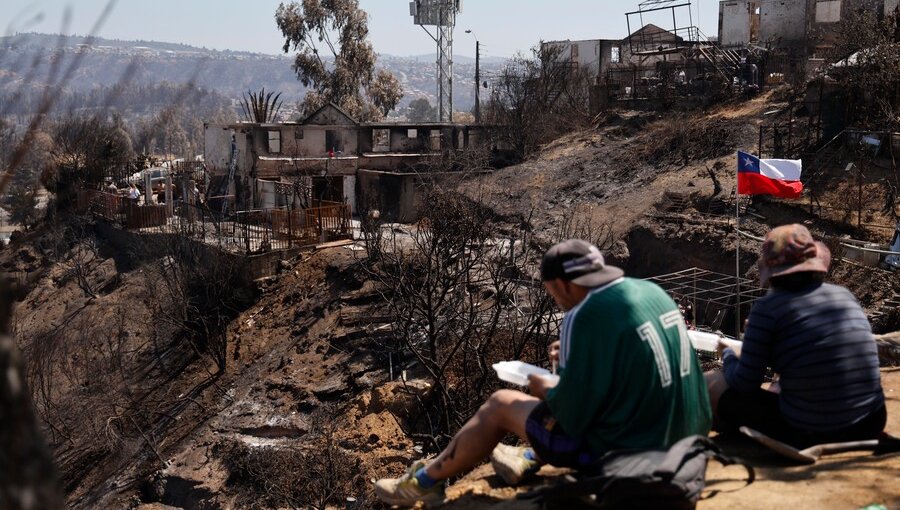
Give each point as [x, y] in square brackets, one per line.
[328, 157]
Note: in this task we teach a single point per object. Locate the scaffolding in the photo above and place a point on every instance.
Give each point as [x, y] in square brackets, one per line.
[711, 296]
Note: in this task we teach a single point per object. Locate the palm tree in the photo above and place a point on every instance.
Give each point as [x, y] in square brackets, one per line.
[261, 107]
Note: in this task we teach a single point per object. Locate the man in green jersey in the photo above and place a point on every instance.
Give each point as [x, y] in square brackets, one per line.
[629, 380]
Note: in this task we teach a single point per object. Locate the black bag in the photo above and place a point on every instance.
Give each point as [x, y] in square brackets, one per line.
[642, 479]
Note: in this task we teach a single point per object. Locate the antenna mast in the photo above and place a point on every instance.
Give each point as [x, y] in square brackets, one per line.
[440, 14]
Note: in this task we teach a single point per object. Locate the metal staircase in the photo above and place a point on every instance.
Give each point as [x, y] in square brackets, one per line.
[726, 62]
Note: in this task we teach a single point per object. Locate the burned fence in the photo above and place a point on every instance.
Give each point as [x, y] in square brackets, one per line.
[253, 231]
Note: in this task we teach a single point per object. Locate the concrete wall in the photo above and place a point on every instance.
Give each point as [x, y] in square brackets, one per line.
[276, 168]
[304, 141]
[828, 11]
[606, 51]
[401, 142]
[329, 116]
[734, 23]
[783, 21]
[350, 192]
[890, 6]
[217, 149]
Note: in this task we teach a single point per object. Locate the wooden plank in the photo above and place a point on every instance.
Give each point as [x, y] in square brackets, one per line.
[335, 244]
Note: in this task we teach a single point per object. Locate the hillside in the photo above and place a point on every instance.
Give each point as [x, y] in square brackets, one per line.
[105, 62]
[308, 407]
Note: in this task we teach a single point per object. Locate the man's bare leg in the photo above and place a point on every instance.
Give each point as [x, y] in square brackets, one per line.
[716, 386]
[505, 412]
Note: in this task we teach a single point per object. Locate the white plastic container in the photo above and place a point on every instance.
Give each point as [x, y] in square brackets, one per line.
[709, 342]
[517, 372]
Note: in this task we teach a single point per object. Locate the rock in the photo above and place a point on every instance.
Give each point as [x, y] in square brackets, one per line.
[364, 381]
[332, 388]
[398, 398]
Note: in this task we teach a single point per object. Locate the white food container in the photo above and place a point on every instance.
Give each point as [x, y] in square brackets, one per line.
[708, 342]
[517, 372]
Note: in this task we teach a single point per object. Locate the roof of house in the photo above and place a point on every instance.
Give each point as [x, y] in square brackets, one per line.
[325, 107]
[650, 29]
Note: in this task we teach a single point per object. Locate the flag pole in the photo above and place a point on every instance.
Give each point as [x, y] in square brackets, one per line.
[737, 255]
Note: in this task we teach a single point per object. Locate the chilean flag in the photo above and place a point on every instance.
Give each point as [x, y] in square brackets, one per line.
[777, 177]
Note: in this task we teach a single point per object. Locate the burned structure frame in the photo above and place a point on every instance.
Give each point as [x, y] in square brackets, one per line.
[711, 295]
[649, 6]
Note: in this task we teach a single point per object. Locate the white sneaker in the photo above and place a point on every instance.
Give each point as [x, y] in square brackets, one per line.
[510, 463]
[406, 491]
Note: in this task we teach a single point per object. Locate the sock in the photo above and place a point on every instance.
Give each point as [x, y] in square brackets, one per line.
[425, 481]
[529, 454]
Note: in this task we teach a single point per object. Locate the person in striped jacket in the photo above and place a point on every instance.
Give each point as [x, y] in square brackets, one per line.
[817, 338]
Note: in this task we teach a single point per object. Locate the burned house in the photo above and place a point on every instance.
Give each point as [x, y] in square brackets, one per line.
[327, 157]
[598, 57]
[659, 61]
[798, 33]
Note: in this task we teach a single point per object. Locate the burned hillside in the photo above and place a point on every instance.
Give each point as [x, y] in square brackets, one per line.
[316, 373]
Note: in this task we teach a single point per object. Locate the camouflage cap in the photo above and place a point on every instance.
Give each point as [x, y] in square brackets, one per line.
[791, 249]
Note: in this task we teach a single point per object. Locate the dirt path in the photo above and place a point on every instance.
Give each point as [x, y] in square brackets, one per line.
[850, 480]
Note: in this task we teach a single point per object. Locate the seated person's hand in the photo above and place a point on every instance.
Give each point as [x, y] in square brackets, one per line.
[554, 351]
[720, 349]
[539, 385]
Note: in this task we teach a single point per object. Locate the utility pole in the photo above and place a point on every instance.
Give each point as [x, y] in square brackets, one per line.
[477, 81]
[477, 77]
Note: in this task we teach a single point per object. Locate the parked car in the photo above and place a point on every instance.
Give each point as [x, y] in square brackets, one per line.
[157, 177]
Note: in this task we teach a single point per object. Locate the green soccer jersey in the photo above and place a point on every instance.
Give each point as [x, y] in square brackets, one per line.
[630, 378]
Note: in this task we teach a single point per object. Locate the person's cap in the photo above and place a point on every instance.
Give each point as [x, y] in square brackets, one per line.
[791, 249]
[579, 262]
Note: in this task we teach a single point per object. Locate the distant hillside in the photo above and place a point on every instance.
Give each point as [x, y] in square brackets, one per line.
[105, 62]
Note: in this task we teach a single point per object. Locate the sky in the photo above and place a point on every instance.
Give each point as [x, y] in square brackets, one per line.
[502, 26]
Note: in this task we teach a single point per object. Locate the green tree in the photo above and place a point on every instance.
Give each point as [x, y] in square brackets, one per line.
[420, 110]
[21, 198]
[348, 77]
[21, 203]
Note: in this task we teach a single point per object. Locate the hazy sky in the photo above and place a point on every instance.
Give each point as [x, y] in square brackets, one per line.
[502, 26]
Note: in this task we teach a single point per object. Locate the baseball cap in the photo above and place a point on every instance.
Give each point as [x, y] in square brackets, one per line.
[791, 249]
[579, 262]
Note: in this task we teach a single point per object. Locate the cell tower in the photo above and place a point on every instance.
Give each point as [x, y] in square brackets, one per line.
[440, 14]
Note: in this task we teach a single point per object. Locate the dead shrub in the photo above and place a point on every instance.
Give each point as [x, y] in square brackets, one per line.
[320, 475]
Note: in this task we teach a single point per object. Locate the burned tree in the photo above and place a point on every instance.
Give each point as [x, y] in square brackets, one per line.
[865, 62]
[196, 292]
[462, 297]
[538, 98]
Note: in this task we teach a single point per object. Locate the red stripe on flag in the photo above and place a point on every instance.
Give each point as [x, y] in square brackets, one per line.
[758, 184]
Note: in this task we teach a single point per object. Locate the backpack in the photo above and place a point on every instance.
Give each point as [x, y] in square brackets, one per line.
[654, 479]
